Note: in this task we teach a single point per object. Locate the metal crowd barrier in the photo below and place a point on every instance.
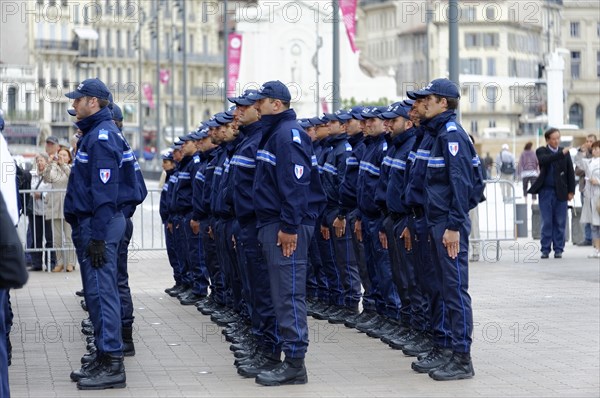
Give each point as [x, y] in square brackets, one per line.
[497, 215]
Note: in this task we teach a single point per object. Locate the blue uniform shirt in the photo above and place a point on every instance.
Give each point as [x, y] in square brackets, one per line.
[453, 183]
[103, 177]
[416, 168]
[347, 200]
[334, 168]
[287, 187]
[368, 175]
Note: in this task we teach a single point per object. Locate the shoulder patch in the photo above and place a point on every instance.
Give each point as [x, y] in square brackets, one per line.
[348, 147]
[196, 159]
[451, 126]
[103, 135]
[296, 136]
[453, 148]
[385, 146]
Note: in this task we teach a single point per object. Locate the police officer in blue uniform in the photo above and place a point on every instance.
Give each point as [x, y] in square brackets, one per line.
[344, 256]
[102, 181]
[389, 191]
[168, 164]
[453, 186]
[288, 199]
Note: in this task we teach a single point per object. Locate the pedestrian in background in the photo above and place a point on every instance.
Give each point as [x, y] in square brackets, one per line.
[528, 169]
[586, 153]
[556, 186]
[590, 212]
[505, 165]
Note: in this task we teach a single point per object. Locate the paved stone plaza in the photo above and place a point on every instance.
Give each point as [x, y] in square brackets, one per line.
[536, 334]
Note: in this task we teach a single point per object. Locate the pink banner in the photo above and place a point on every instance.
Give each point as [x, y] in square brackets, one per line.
[324, 105]
[348, 8]
[147, 90]
[234, 55]
[165, 76]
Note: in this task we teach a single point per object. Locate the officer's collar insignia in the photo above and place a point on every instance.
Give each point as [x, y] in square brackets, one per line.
[296, 136]
[103, 135]
[453, 148]
[298, 171]
[451, 126]
[104, 175]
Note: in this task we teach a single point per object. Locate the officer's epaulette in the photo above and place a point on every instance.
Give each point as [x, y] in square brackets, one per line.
[196, 159]
[385, 146]
[348, 147]
[103, 135]
[451, 126]
[296, 136]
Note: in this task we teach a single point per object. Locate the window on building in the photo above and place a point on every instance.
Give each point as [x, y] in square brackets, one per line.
[118, 40]
[492, 123]
[598, 29]
[470, 14]
[575, 64]
[190, 44]
[491, 97]
[575, 29]
[205, 45]
[472, 40]
[491, 66]
[474, 129]
[12, 99]
[109, 80]
[491, 39]
[108, 39]
[598, 117]
[75, 14]
[576, 115]
[471, 66]
[490, 13]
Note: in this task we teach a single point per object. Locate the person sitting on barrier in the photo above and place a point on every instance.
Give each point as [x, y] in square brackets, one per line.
[556, 186]
[590, 212]
[57, 174]
[528, 169]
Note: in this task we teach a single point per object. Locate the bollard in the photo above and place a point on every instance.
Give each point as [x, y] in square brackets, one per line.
[521, 220]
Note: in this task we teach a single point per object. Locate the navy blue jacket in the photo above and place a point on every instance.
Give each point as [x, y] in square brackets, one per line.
[348, 188]
[334, 168]
[103, 178]
[368, 175]
[209, 176]
[243, 169]
[454, 183]
[165, 197]
[198, 185]
[391, 182]
[181, 199]
[416, 168]
[223, 200]
[287, 187]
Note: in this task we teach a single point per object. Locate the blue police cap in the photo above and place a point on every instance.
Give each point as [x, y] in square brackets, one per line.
[185, 138]
[441, 87]
[90, 88]
[272, 89]
[117, 114]
[304, 123]
[243, 99]
[342, 115]
[408, 102]
[356, 111]
[373, 111]
[168, 156]
[316, 121]
[212, 122]
[223, 118]
[395, 110]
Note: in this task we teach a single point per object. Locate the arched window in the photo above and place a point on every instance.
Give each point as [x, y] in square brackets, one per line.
[12, 99]
[598, 117]
[576, 115]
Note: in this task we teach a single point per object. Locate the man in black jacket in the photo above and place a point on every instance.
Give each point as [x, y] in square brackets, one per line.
[556, 186]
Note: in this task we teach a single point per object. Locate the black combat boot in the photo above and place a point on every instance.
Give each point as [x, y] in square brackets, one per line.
[128, 347]
[290, 371]
[459, 367]
[437, 357]
[88, 369]
[110, 374]
[259, 364]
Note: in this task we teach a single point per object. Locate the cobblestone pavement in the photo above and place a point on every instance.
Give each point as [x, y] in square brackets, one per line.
[536, 334]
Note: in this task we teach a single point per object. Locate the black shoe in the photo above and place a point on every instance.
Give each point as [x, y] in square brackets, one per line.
[177, 291]
[226, 320]
[262, 363]
[128, 346]
[87, 331]
[585, 243]
[545, 255]
[343, 315]
[457, 368]
[558, 255]
[424, 345]
[376, 321]
[89, 357]
[248, 360]
[87, 370]
[364, 316]
[184, 294]
[288, 372]
[90, 339]
[437, 357]
[79, 293]
[83, 305]
[394, 334]
[191, 299]
[110, 374]
[210, 309]
[87, 323]
[326, 313]
[410, 337]
[386, 327]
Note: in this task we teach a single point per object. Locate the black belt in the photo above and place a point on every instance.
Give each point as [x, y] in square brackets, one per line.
[417, 212]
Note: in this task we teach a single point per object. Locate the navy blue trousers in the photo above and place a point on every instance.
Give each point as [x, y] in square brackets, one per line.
[454, 286]
[329, 268]
[4, 386]
[217, 279]
[100, 285]
[228, 262]
[287, 276]
[172, 255]
[123, 276]
[368, 298]
[553, 213]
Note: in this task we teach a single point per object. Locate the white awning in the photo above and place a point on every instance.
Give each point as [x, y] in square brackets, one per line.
[86, 33]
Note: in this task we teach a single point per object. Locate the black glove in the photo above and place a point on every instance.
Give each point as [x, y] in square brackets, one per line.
[96, 250]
